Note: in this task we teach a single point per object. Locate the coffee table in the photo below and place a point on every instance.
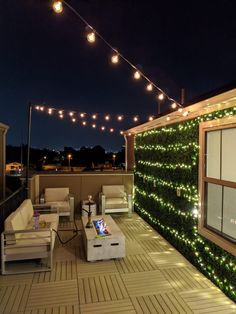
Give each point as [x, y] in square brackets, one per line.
[101, 248]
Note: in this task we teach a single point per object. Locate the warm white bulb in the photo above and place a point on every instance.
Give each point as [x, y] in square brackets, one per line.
[149, 87]
[129, 134]
[107, 118]
[111, 130]
[94, 126]
[37, 107]
[60, 112]
[180, 109]
[121, 132]
[49, 111]
[74, 120]
[42, 108]
[103, 128]
[82, 115]
[168, 118]
[91, 37]
[174, 105]
[84, 123]
[150, 118]
[137, 75]
[119, 118]
[161, 96]
[71, 113]
[57, 6]
[94, 116]
[115, 58]
[185, 113]
[61, 116]
[135, 119]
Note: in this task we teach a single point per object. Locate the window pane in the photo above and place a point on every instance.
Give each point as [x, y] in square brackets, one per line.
[214, 205]
[229, 212]
[229, 154]
[213, 154]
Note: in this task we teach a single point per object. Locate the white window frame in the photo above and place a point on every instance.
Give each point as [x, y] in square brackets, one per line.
[204, 127]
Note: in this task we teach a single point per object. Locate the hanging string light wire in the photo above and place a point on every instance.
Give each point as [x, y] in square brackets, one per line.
[97, 34]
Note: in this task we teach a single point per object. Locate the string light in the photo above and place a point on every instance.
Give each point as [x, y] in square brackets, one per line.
[167, 118]
[73, 120]
[137, 75]
[103, 128]
[90, 34]
[41, 108]
[71, 113]
[135, 119]
[107, 117]
[150, 118]
[84, 122]
[50, 111]
[61, 116]
[94, 116]
[111, 130]
[94, 126]
[115, 57]
[121, 132]
[57, 6]
[60, 112]
[91, 37]
[180, 109]
[161, 96]
[174, 105]
[149, 87]
[119, 118]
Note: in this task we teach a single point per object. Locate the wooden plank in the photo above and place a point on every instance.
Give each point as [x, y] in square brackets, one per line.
[118, 306]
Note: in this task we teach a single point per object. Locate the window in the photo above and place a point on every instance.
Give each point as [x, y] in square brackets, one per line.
[217, 182]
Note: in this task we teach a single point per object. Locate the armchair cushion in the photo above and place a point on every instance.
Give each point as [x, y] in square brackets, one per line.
[56, 194]
[114, 191]
[116, 202]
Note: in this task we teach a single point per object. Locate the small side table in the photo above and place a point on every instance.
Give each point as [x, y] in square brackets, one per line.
[93, 208]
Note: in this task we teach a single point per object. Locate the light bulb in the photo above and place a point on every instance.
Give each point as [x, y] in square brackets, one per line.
[168, 118]
[149, 87]
[94, 126]
[150, 118]
[60, 112]
[50, 111]
[119, 118]
[185, 113]
[161, 96]
[180, 109]
[107, 117]
[94, 116]
[57, 6]
[74, 120]
[103, 128]
[84, 123]
[91, 36]
[71, 113]
[121, 132]
[135, 119]
[61, 116]
[37, 107]
[82, 115]
[41, 108]
[137, 75]
[115, 58]
[111, 130]
[173, 105]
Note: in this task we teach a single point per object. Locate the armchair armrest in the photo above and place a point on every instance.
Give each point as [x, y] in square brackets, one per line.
[102, 199]
[72, 205]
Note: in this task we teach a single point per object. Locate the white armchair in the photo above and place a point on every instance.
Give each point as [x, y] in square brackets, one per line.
[59, 199]
[114, 199]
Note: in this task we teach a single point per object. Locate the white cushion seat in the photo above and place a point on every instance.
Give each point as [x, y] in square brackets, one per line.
[114, 199]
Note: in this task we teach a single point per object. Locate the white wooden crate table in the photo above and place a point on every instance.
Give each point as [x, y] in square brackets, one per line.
[105, 247]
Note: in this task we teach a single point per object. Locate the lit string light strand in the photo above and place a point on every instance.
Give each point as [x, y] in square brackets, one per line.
[91, 35]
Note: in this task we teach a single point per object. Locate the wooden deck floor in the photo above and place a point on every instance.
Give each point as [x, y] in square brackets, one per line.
[152, 278]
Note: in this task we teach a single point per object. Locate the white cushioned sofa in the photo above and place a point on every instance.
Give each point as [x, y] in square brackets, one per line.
[20, 241]
[114, 199]
[60, 200]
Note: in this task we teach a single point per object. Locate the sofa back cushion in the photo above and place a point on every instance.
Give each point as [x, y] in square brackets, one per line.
[56, 194]
[26, 210]
[113, 191]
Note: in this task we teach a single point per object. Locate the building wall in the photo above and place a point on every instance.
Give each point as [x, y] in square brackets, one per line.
[166, 195]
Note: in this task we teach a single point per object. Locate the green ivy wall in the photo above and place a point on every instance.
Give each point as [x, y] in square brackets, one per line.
[167, 165]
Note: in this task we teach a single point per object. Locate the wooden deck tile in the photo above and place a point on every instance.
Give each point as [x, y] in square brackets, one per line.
[154, 244]
[163, 303]
[120, 306]
[168, 259]
[101, 288]
[146, 283]
[208, 301]
[185, 278]
[53, 293]
[87, 269]
[13, 298]
[16, 279]
[135, 263]
[133, 248]
[64, 309]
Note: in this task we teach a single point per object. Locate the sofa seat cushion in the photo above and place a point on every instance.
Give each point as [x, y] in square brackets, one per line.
[116, 202]
[61, 207]
[113, 191]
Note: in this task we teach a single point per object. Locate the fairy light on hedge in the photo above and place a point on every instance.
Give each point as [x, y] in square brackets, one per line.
[156, 191]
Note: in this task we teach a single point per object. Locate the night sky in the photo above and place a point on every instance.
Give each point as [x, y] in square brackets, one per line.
[45, 58]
